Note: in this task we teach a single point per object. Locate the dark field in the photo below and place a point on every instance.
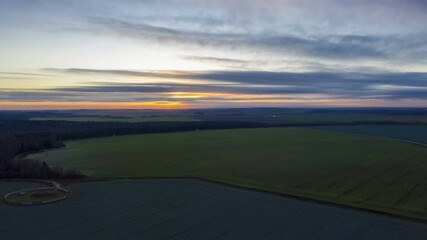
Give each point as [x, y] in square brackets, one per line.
[116, 119]
[321, 118]
[272, 118]
[414, 133]
[190, 209]
[362, 171]
[264, 115]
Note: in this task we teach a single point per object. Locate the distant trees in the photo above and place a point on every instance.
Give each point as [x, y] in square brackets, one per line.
[106, 129]
[12, 146]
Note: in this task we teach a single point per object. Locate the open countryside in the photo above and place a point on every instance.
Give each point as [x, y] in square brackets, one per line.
[191, 209]
[213, 120]
[361, 171]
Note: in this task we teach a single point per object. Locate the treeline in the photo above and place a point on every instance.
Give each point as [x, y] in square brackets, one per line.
[25, 136]
[74, 130]
[12, 146]
[112, 128]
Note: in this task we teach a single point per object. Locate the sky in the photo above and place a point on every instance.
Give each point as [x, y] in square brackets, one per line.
[145, 54]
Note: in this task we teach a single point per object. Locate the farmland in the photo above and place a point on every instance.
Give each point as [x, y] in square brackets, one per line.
[117, 119]
[414, 133]
[321, 118]
[190, 209]
[273, 118]
[361, 171]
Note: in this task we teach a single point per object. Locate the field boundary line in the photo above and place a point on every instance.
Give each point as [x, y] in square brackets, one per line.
[292, 195]
[373, 136]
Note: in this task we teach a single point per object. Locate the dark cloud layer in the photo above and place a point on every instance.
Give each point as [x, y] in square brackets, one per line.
[345, 47]
[217, 60]
[110, 72]
[390, 32]
[348, 85]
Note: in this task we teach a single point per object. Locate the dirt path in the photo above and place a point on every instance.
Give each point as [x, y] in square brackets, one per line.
[53, 185]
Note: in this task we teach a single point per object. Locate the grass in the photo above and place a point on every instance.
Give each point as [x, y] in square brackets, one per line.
[414, 133]
[114, 119]
[360, 171]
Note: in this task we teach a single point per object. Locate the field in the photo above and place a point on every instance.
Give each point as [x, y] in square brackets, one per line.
[118, 119]
[414, 133]
[273, 117]
[320, 118]
[360, 171]
[190, 209]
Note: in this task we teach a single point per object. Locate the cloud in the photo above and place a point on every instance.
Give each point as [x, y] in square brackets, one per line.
[270, 77]
[346, 48]
[348, 85]
[329, 47]
[51, 95]
[383, 33]
[25, 74]
[111, 72]
[217, 60]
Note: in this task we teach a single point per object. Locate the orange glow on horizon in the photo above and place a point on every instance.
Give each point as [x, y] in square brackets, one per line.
[199, 101]
[92, 105]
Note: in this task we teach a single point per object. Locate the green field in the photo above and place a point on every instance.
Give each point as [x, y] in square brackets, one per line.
[413, 133]
[361, 171]
[116, 119]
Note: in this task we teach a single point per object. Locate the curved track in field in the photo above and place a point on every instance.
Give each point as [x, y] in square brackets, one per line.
[53, 186]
